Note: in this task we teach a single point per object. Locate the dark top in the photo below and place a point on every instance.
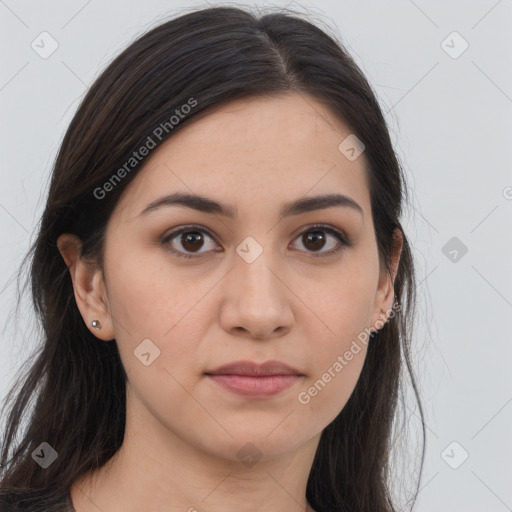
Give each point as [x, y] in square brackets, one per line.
[16, 502]
[11, 503]
[70, 508]
[69, 504]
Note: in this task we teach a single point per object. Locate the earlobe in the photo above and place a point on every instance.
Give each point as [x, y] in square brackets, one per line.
[386, 291]
[397, 246]
[89, 287]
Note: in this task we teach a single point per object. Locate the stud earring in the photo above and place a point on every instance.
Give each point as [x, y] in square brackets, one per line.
[96, 324]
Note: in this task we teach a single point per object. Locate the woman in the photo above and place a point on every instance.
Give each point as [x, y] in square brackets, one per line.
[219, 272]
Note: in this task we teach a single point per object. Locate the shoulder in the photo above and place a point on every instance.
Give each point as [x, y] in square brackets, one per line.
[10, 502]
[331, 510]
[32, 502]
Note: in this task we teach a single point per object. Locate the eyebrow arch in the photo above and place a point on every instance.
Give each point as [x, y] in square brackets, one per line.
[207, 205]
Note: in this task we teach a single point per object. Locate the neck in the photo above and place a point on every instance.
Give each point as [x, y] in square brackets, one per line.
[161, 471]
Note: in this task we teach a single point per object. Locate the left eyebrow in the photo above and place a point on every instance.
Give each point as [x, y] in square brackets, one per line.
[309, 204]
[207, 205]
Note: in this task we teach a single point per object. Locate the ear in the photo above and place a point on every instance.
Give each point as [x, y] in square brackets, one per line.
[89, 286]
[385, 291]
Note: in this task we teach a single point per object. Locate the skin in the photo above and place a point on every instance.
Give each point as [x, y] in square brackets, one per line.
[183, 431]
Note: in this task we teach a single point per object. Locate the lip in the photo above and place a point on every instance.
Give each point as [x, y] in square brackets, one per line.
[253, 380]
[251, 368]
[263, 386]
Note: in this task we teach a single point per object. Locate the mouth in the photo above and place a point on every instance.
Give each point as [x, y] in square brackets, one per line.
[254, 380]
[252, 369]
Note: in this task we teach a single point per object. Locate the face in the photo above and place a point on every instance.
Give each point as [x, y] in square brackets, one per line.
[186, 291]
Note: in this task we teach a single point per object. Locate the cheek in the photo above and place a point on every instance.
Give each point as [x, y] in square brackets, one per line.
[345, 309]
[338, 355]
[327, 391]
[159, 354]
[150, 300]
[159, 321]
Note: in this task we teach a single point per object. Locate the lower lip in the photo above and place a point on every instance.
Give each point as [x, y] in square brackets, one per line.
[255, 387]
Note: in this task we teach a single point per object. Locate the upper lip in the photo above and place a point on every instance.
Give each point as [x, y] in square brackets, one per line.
[252, 368]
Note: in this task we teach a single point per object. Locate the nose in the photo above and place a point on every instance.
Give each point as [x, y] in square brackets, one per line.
[256, 300]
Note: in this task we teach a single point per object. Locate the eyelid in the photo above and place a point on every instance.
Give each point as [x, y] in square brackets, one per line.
[339, 234]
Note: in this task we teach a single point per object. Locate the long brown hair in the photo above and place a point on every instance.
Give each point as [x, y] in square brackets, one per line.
[213, 56]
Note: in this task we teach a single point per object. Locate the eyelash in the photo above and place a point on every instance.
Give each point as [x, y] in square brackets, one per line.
[339, 235]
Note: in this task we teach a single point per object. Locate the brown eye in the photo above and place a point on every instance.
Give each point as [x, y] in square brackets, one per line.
[314, 240]
[188, 241]
[192, 240]
[317, 238]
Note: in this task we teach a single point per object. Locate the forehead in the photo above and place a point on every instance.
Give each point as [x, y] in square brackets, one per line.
[254, 151]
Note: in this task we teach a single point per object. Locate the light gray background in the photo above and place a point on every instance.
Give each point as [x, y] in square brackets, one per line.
[450, 122]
